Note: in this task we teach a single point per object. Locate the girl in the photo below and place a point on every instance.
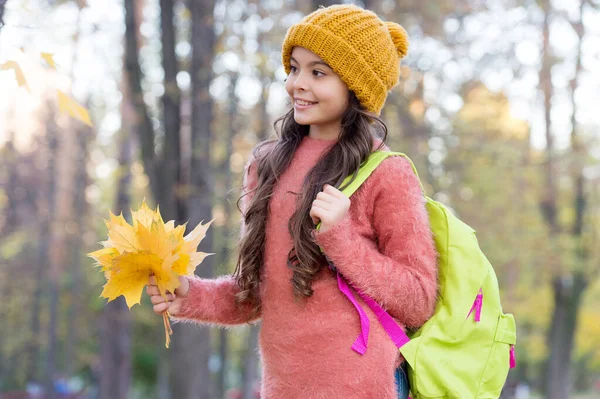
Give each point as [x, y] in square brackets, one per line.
[341, 62]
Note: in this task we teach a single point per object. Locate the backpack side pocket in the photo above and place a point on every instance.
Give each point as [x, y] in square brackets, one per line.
[498, 364]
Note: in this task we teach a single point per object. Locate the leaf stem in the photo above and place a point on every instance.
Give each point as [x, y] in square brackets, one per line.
[168, 330]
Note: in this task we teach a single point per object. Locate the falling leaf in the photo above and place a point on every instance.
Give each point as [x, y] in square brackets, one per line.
[49, 60]
[68, 105]
[148, 247]
[18, 73]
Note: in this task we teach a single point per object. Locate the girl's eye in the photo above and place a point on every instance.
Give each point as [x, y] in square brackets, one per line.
[293, 69]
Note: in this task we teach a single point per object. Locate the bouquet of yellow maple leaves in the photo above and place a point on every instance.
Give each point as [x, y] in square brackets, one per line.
[149, 247]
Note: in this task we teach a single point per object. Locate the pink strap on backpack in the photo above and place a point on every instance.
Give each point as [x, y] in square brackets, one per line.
[393, 330]
[360, 345]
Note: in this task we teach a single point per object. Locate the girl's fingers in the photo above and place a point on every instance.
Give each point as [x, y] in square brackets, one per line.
[315, 210]
[161, 307]
[316, 213]
[334, 192]
[326, 197]
[314, 218]
[152, 290]
[329, 189]
[321, 204]
[152, 280]
[156, 299]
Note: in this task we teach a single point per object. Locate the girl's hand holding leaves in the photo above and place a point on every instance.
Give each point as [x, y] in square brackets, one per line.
[172, 302]
[151, 247]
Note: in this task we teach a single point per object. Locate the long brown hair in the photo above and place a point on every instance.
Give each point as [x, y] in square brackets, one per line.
[355, 142]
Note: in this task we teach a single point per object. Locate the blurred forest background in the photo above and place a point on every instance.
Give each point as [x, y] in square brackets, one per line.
[497, 105]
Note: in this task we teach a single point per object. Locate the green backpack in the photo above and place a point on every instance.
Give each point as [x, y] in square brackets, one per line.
[465, 350]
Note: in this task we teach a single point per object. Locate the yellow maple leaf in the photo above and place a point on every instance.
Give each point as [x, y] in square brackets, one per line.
[18, 73]
[147, 247]
[48, 57]
[68, 105]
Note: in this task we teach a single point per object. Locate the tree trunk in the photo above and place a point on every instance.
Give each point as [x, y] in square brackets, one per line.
[51, 279]
[567, 300]
[116, 355]
[548, 202]
[251, 362]
[169, 179]
[165, 172]
[45, 202]
[2, 5]
[171, 197]
[223, 259]
[162, 379]
[577, 147]
[265, 79]
[116, 335]
[548, 209]
[115, 377]
[191, 344]
[76, 246]
[221, 384]
[568, 287]
[141, 124]
[250, 373]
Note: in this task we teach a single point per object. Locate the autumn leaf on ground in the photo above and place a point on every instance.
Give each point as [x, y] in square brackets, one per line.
[149, 247]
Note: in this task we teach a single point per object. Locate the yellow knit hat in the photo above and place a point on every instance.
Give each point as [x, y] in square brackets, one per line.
[362, 49]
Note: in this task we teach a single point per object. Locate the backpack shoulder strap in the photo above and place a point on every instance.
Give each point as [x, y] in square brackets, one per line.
[365, 170]
[368, 166]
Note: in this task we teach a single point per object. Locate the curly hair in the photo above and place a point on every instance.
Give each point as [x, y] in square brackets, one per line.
[358, 129]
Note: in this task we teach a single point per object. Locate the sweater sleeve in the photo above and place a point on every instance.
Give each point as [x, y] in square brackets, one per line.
[399, 269]
[212, 301]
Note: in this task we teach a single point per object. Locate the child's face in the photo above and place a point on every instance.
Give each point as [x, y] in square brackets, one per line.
[315, 83]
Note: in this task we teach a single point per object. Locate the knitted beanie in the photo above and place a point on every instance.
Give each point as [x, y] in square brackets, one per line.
[362, 49]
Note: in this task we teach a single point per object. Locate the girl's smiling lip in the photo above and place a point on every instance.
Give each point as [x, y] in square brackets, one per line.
[299, 106]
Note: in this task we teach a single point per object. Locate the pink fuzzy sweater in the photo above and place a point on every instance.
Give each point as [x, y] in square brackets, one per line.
[384, 246]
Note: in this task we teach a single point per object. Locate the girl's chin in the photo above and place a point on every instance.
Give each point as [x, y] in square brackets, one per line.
[304, 119]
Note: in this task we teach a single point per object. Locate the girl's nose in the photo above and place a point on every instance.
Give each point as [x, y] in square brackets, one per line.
[299, 82]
